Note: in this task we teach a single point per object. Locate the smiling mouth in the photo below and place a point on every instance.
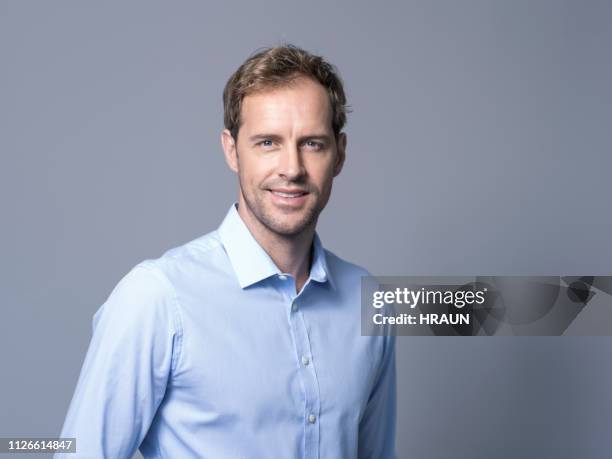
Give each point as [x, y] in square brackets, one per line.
[290, 195]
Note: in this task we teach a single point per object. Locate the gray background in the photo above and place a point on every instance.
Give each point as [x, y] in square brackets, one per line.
[479, 143]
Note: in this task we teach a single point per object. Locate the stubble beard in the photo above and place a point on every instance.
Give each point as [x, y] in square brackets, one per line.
[258, 207]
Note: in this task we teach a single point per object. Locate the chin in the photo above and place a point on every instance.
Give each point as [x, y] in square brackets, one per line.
[287, 228]
[292, 224]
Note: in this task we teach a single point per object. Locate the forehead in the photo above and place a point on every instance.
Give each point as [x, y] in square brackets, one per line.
[302, 104]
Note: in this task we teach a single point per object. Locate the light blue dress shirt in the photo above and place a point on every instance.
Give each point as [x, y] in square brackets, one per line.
[209, 352]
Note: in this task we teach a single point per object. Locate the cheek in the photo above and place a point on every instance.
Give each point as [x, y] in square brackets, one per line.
[252, 171]
[322, 176]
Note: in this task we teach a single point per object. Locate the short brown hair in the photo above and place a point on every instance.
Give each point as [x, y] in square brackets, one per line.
[278, 66]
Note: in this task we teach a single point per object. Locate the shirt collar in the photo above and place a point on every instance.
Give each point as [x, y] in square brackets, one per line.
[250, 261]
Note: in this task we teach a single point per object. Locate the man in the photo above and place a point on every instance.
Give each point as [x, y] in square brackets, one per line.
[246, 343]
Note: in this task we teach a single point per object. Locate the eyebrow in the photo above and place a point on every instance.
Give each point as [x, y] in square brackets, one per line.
[276, 138]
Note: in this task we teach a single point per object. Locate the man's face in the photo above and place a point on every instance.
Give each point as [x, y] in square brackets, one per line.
[286, 156]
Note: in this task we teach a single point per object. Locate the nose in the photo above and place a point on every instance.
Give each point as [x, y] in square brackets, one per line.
[291, 166]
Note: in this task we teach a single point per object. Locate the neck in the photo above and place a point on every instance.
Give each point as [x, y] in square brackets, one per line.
[291, 254]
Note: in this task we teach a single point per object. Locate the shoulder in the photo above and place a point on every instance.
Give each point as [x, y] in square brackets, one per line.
[198, 256]
[200, 250]
[342, 270]
[141, 295]
[149, 289]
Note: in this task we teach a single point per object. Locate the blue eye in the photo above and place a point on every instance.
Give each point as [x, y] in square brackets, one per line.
[267, 143]
[314, 145]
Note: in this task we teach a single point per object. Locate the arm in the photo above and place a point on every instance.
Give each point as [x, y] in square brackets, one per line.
[131, 355]
[377, 426]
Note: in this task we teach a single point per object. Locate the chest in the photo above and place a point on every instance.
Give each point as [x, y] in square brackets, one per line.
[257, 355]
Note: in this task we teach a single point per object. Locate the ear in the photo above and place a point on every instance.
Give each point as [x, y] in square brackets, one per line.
[229, 150]
[340, 153]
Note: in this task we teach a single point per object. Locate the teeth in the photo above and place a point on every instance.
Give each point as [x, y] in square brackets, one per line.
[287, 195]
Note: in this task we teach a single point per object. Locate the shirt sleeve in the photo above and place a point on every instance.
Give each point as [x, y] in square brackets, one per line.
[133, 350]
[377, 426]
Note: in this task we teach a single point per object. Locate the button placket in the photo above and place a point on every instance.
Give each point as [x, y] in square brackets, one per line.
[307, 375]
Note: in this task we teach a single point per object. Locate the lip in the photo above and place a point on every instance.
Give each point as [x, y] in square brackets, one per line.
[285, 201]
[288, 190]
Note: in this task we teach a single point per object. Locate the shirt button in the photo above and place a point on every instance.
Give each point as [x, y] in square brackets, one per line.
[294, 307]
[305, 360]
[282, 277]
[312, 418]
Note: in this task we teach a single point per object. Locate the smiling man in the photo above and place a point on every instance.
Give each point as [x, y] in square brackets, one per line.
[246, 342]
